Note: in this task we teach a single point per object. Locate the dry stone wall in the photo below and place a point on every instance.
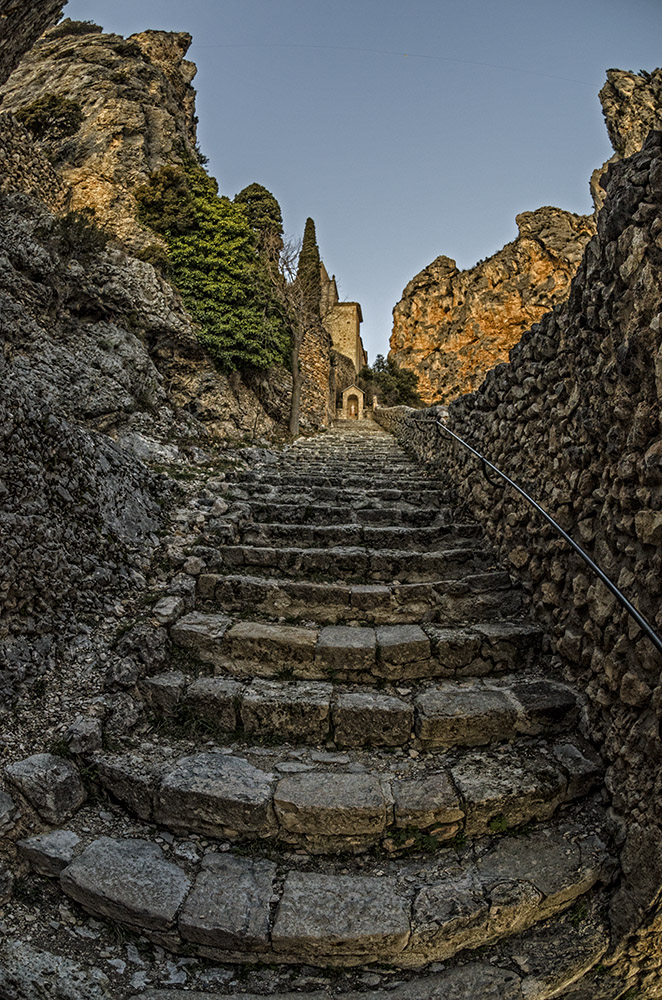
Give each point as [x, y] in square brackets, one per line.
[575, 416]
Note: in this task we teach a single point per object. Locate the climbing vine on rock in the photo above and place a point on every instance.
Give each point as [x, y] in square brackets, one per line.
[214, 262]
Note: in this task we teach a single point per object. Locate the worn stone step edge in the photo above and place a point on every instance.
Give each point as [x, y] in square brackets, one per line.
[345, 496]
[326, 809]
[295, 513]
[472, 713]
[473, 598]
[431, 538]
[348, 563]
[534, 965]
[345, 652]
[236, 908]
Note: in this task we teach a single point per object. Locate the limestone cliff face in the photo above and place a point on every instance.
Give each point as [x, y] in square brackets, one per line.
[452, 326]
[138, 110]
[632, 107]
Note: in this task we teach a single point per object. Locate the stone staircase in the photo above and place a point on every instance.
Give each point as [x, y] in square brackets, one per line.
[357, 733]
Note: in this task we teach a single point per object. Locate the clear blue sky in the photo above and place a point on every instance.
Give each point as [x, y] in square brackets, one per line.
[405, 128]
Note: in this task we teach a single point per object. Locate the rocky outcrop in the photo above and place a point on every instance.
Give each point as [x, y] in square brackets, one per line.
[21, 25]
[107, 337]
[575, 417]
[138, 113]
[452, 326]
[632, 106]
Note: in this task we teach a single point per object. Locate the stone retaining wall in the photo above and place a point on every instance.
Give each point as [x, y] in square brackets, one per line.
[575, 418]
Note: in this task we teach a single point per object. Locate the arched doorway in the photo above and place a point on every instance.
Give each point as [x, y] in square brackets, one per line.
[353, 407]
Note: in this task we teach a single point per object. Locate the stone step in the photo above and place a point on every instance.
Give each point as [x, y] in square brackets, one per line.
[405, 538]
[536, 964]
[473, 598]
[356, 653]
[318, 513]
[327, 803]
[415, 495]
[349, 562]
[344, 466]
[233, 908]
[366, 480]
[445, 714]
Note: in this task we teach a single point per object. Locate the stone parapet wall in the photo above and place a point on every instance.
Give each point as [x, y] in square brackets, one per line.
[575, 418]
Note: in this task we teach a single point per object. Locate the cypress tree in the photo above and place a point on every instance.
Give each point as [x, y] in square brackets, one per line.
[308, 273]
[264, 217]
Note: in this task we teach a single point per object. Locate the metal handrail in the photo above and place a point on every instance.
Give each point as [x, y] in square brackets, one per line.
[642, 622]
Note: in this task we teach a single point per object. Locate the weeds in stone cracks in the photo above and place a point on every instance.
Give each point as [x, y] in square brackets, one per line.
[499, 825]
[59, 747]
[634, 993]
[578, 914]
[411, 840]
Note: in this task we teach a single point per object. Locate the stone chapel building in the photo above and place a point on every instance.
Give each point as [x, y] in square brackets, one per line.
[342, 321]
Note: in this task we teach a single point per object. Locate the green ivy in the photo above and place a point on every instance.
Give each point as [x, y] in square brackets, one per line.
[214, 263]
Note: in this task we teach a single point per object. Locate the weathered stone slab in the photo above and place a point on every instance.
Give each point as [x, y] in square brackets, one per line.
[370, 596]
[371, 719]
[131, 780]
[448, 916]
[128, 881]
[398, 644]
[163, 692]
[545, 705]
[49, 853]
[469, 715]
[202, 634]
[342, 647]
[331, 804]
[583, 772]
[507, 788]
[424, 802]
[9, 813]
[454, 648]
[297, 711]
[168, 609]
[561, 863]
[272, 646]
[215, 699]
[85, 735]
[229, 905]
[216, 794]
[352, 919]
[51, 784]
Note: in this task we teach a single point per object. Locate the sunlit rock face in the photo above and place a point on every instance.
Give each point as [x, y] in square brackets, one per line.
[632, 106]
[452, 326]
[138, 110]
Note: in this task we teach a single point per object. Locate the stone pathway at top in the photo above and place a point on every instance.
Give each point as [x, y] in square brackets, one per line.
[377, 770]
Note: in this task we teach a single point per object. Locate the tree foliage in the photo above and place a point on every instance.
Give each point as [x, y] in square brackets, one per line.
[393, 386]
[69, 27]
[308, 272]
[51, 117]
[214, 262]
[264, 216]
